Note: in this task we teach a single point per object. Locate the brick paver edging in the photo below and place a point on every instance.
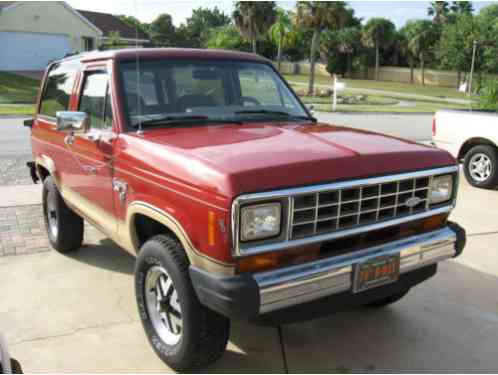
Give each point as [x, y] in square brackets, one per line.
[22, 230]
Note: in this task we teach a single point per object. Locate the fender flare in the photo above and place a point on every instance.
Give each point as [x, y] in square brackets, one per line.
[47, 163]
[195, 257]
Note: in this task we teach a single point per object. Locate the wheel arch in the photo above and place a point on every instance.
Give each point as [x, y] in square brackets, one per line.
[472, 142]
[45, 167]
[142, 213]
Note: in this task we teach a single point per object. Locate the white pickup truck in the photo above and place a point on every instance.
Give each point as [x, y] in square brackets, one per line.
[472, 138]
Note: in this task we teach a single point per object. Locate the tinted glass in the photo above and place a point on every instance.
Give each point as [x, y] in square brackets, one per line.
[216, 90]
[58, 89]
[93, 99]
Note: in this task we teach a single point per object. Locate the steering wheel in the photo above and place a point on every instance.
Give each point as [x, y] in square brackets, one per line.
[248, 99]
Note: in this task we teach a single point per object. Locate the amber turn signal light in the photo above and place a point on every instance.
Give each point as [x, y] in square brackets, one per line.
[267, 261]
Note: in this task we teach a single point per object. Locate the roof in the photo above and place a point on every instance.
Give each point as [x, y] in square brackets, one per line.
[104, 22]
[168, 53]
[5, 4]
[108, 23]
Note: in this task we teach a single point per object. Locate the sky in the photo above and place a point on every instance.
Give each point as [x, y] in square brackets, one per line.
[146, 10]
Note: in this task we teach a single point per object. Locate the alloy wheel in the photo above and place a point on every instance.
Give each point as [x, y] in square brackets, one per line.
[163, 306]
[480, 167]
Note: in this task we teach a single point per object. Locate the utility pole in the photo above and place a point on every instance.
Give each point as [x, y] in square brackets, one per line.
[474, 49]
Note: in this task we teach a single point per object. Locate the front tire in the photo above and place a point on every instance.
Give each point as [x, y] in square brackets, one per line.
[65, 229]
[184, 333]
[481, 167]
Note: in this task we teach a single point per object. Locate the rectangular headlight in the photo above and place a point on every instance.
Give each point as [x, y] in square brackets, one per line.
[260, 221]
[441, 189]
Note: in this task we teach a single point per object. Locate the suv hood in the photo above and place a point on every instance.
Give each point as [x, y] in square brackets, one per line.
[237, 159]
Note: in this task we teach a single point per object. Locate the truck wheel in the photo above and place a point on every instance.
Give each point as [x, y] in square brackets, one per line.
[481, 167]
[388, 300]
[64, 228]
[185, 334]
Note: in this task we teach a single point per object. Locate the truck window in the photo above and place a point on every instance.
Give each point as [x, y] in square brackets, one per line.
[258, 83]
[58, 89]
[93, 100]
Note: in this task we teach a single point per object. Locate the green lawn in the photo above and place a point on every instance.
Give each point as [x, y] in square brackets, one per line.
[17, 109]
[378, 103]
[420, 107]
[404, 88]
[16, 89]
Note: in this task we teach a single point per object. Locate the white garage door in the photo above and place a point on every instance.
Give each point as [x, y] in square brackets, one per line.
[31, 51]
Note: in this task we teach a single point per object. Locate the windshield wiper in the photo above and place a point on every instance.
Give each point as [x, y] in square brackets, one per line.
[179, 120]
[278, 113]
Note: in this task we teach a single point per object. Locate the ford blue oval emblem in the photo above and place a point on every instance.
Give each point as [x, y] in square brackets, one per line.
[413, 201]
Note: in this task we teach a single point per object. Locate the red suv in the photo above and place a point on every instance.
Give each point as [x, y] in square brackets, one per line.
[235, 201]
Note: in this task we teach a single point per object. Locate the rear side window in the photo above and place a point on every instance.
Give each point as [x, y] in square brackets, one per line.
[95, 100]
[58, 89]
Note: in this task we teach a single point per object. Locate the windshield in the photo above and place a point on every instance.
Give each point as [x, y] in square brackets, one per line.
[164, 92]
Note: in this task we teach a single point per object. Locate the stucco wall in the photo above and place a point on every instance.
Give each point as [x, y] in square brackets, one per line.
[47, 17]
[397, 74]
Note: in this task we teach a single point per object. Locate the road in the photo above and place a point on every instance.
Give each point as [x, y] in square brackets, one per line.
[14, 139]
[415, 127]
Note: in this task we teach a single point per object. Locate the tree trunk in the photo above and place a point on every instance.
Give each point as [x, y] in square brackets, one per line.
[314, 46]
[366, 61]
[459, 78]
[350, 63]
[422, 66]
[411, 70]
[377, 58]
[279, 55]
[254, 47]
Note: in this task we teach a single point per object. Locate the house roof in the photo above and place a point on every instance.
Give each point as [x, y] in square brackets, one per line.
[5, 4]
[108, 23]
[104, 22]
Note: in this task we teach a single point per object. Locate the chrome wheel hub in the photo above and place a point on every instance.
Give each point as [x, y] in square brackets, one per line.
[163, 306]
[52, 214]
[480, 167]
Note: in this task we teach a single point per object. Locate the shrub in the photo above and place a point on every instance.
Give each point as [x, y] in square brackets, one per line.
[488, 95]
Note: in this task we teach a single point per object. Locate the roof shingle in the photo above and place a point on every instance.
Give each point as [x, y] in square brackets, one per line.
[108, 23]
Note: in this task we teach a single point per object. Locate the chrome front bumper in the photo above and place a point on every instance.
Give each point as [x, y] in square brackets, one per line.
[303, 283]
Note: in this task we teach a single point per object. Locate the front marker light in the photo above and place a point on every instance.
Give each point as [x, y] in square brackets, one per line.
[260, 221]
[441, 189]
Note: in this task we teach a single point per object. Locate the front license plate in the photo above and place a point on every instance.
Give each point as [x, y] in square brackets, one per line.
[375, 272]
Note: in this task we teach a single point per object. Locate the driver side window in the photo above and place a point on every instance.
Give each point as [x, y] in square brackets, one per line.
[95, 100]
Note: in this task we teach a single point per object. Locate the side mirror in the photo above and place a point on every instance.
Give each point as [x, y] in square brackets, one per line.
[28, 123]
[72, 122]
[311, 108]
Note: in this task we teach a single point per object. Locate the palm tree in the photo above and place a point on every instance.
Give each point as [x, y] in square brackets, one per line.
[422, 37]
[462, 7]
[378, 33]
[439, 10]
[403, 37]
[318, 16]
[253, 19]
[346, 41]
[282, 33]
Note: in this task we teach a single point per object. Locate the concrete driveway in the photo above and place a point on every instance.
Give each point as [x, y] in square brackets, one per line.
[77, 314]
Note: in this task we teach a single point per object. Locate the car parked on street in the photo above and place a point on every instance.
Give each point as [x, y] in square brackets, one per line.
[472, 138]
[237, 203]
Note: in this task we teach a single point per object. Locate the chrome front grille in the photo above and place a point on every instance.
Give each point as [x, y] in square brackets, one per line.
[335, 210]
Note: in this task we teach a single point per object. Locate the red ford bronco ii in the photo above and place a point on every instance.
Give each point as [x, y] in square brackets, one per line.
[235, 201]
